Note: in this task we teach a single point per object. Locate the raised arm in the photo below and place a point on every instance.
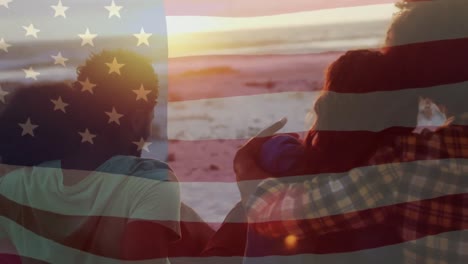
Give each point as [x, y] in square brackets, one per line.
[315, 204]
[319, 204]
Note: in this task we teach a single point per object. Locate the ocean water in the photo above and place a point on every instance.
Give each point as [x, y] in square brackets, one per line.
[286, 40]
[37, 54]
[297, 40]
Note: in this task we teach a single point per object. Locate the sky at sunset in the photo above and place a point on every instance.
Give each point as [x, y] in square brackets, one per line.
[243, 8]
[188, 16]
[189, 24]
[174, 21]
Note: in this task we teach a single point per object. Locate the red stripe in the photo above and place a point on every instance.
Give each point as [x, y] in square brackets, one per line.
[212, 160]
[89, 238]
[417, 65]
[86, 239]
[244, 8]
[345, 241]
[337, 242]
[421, 65]
[249, 78]
[203, 160]
[16, 259]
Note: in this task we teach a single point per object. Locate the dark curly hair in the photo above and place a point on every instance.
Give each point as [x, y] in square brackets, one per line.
[360, 93]
[428, 39]
[51, 138]
[354, 112]
[113, 90]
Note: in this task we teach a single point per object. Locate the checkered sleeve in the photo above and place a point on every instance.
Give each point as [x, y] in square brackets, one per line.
[324, 203]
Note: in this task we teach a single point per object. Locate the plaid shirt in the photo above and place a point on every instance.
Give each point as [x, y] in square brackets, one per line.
[420, 181]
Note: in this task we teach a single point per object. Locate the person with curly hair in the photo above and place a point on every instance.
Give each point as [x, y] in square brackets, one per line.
[90, 197]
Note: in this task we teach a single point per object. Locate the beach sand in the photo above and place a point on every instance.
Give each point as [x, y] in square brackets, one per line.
[218, 102]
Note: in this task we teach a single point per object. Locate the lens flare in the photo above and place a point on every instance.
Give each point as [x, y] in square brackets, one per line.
[290, 241]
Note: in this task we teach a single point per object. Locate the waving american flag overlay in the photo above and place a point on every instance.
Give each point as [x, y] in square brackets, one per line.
[225, 70]
[256, 62]
[42, 45]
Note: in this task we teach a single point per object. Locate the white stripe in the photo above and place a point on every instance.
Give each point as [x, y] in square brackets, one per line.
[237, 117]
[420, 180]
[222, 198]
[213, 200]
[243, 116]
[27, 187]
[350, 14]
[383, 109]
[332, 29]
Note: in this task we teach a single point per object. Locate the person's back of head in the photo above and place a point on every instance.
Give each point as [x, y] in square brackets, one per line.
[422, 21]
[115, 96]
[351, 109]
[35, 125]
[357, 95]
[427, 42]
[357, 71]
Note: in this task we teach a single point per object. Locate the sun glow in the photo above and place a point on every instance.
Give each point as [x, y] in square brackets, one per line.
[191, 24]
[290, 241]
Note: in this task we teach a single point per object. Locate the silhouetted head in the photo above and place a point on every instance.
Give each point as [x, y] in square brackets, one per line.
[354, 104]
[427, 42]
[423, 21]
[116, 93]
[360, 93]
[48, 137]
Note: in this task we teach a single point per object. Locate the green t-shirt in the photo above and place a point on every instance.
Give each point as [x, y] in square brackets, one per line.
[84, 222]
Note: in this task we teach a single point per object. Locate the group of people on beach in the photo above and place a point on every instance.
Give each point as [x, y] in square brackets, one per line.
[362, 187]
